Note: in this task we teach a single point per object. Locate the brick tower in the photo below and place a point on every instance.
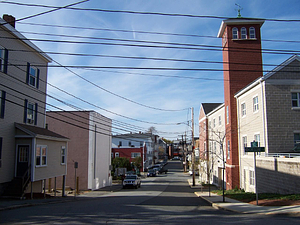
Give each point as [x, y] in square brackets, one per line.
[242, 64]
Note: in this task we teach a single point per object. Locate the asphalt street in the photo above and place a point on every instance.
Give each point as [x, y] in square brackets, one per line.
[165, 199]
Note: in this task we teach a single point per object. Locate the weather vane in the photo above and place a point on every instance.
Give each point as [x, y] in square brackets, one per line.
[239, 10]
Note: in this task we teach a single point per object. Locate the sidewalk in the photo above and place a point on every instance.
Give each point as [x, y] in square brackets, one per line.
[240, 207]
[13, 203]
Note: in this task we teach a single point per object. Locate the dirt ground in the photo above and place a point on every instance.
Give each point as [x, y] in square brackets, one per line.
[276, 202]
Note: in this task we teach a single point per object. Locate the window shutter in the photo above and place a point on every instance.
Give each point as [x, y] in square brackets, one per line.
[3, 97]
[27, 73]
[5, 61]
[25, 110]
[38, 79]
[35, 114]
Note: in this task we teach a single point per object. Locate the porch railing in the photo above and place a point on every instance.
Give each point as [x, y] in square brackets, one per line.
[26, 178]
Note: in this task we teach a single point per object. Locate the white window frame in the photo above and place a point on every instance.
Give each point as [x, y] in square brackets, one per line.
[40, 162]
[235, 33]
[244, 144]
[135, 154]
[63, 155]
[255, 104]
[243, 109]
[227, 114]
[228, 149]
[30, 113]
[251, 177]
[243, 33]
[257, 139]
[2, 58]
[33, 76]
[295, 99]
[252, 33]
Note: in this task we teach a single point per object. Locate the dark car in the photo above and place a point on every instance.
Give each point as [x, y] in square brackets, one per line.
[151, 173]
[163, 170]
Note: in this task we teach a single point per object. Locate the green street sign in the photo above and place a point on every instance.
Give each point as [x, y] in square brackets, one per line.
[254, 149]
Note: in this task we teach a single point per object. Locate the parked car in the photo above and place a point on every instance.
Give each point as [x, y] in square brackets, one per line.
[163, 170]
[196, 173]
[132, 181]
[176, 158]
[151, 173]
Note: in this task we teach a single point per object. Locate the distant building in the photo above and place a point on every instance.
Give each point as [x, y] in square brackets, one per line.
[90, 146]
[137, 141]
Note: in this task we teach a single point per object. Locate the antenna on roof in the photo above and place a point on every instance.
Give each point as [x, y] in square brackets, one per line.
[239, 10]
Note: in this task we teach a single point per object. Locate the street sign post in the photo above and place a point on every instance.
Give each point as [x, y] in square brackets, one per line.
[254, 148]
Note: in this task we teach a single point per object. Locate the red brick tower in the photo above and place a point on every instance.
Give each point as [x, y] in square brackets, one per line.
[242, 63]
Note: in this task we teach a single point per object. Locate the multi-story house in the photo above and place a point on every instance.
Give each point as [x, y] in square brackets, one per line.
[29, 153]
[133, 140]
[269, 114]
[89, 144]
[212, 150]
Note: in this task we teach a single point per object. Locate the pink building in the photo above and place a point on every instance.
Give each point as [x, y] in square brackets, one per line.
[89, 146]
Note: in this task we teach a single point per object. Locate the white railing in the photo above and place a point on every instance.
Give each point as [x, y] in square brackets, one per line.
[283, 155]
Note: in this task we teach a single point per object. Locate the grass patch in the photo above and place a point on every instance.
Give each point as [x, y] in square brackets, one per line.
[243, 196]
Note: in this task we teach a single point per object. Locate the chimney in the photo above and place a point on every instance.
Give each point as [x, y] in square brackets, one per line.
[10, 19]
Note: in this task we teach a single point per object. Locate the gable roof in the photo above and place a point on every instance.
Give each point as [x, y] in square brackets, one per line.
[208, 107]
[22, 38]
[39, 132]
[268, 75]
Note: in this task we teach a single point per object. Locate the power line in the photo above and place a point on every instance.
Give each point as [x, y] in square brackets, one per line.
[139, 31]
[143, 13]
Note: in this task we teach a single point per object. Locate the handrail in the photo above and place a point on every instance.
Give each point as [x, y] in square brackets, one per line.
[26, 177]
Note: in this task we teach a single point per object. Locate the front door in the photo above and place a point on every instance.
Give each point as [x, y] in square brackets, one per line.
[23, 160]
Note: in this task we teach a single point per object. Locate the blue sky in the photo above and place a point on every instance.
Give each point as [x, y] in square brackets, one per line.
[160, 89]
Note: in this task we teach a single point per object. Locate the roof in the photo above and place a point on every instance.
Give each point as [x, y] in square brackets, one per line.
[268, 75]
[238, 21]
[208, 107]
[22, 38]
[39, 132]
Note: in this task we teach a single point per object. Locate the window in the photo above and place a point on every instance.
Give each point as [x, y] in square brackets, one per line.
[215, 147]
[296, 141]
[295, 99]
[3, 59]
[251, 177]
[255, 104]
[141, 144]
[30, 112]
[243, 107]
[23, 154]
[129, 143]
[252, 33]
[220, 120]
[63, 155]
[2, 104]
[235, 34]
[243, 33]
[228, 149]
[41, 155]
[32, 76]
[214, 122]
[117, 154]
[135, 154]
[257, 139]
[120, 143]
[244, 139]
[227, 115]
[1, 140]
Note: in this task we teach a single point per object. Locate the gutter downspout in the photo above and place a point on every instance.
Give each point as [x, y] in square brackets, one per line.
[239, 139]
[263, 109]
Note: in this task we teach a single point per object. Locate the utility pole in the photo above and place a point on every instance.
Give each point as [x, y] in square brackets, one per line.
[193, 148]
